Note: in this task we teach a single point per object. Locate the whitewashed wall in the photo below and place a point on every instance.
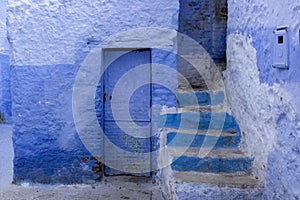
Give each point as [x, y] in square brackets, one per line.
[263, 99]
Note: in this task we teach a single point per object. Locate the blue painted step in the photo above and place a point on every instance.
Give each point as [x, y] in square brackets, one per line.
[200, 98]
[220, 161]
[224, 140]
[200, 121]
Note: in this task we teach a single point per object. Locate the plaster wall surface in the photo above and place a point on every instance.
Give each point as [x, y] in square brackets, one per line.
[5, 97]
[56, 32]
[3, 31]
[262, 98]
[52, 41]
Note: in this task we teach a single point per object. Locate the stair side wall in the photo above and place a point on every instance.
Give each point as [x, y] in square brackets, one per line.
[262, 98]
[206, 23]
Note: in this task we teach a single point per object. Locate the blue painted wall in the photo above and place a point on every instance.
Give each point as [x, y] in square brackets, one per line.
[47, 146]
[205, 21]
[5, 96]
[266, 101]
[160, 94]
[261, 32]
[47, 51]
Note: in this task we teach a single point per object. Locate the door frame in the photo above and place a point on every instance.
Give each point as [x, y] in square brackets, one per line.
[104, 80]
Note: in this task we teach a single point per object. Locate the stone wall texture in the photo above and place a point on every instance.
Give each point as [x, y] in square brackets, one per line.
[263, 98]
[50, 40]
[206, 23]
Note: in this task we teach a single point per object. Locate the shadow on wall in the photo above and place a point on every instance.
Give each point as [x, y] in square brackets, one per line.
[5, 93]
[205, 22]
[1, 118]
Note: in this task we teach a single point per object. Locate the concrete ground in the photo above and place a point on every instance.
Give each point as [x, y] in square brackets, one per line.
[117, 187]
[111, 188]
[6, 155]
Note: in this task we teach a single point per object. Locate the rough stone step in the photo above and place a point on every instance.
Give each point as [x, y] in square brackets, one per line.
[200, 98]
[217, 108]
[206, 152]
[218, 179]
[215, 161]
[204, 132]
[195, 109]
[208, 192]
[215, 139]
[207, 186]
[199, 120]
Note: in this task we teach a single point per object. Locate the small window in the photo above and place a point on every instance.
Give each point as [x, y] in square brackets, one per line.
[280, 39]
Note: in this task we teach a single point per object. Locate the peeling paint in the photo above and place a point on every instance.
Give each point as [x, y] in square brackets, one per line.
[264, 99]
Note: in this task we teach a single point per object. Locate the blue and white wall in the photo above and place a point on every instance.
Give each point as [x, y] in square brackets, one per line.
[264, 99]
[205, 21]
[5, 96]
[50, 40]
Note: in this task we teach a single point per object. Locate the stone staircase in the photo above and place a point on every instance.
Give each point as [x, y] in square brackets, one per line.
[203, 147]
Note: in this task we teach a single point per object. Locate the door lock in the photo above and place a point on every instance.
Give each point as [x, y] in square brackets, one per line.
[105, 97]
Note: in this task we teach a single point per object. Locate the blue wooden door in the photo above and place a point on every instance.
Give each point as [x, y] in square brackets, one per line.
[127, 112]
